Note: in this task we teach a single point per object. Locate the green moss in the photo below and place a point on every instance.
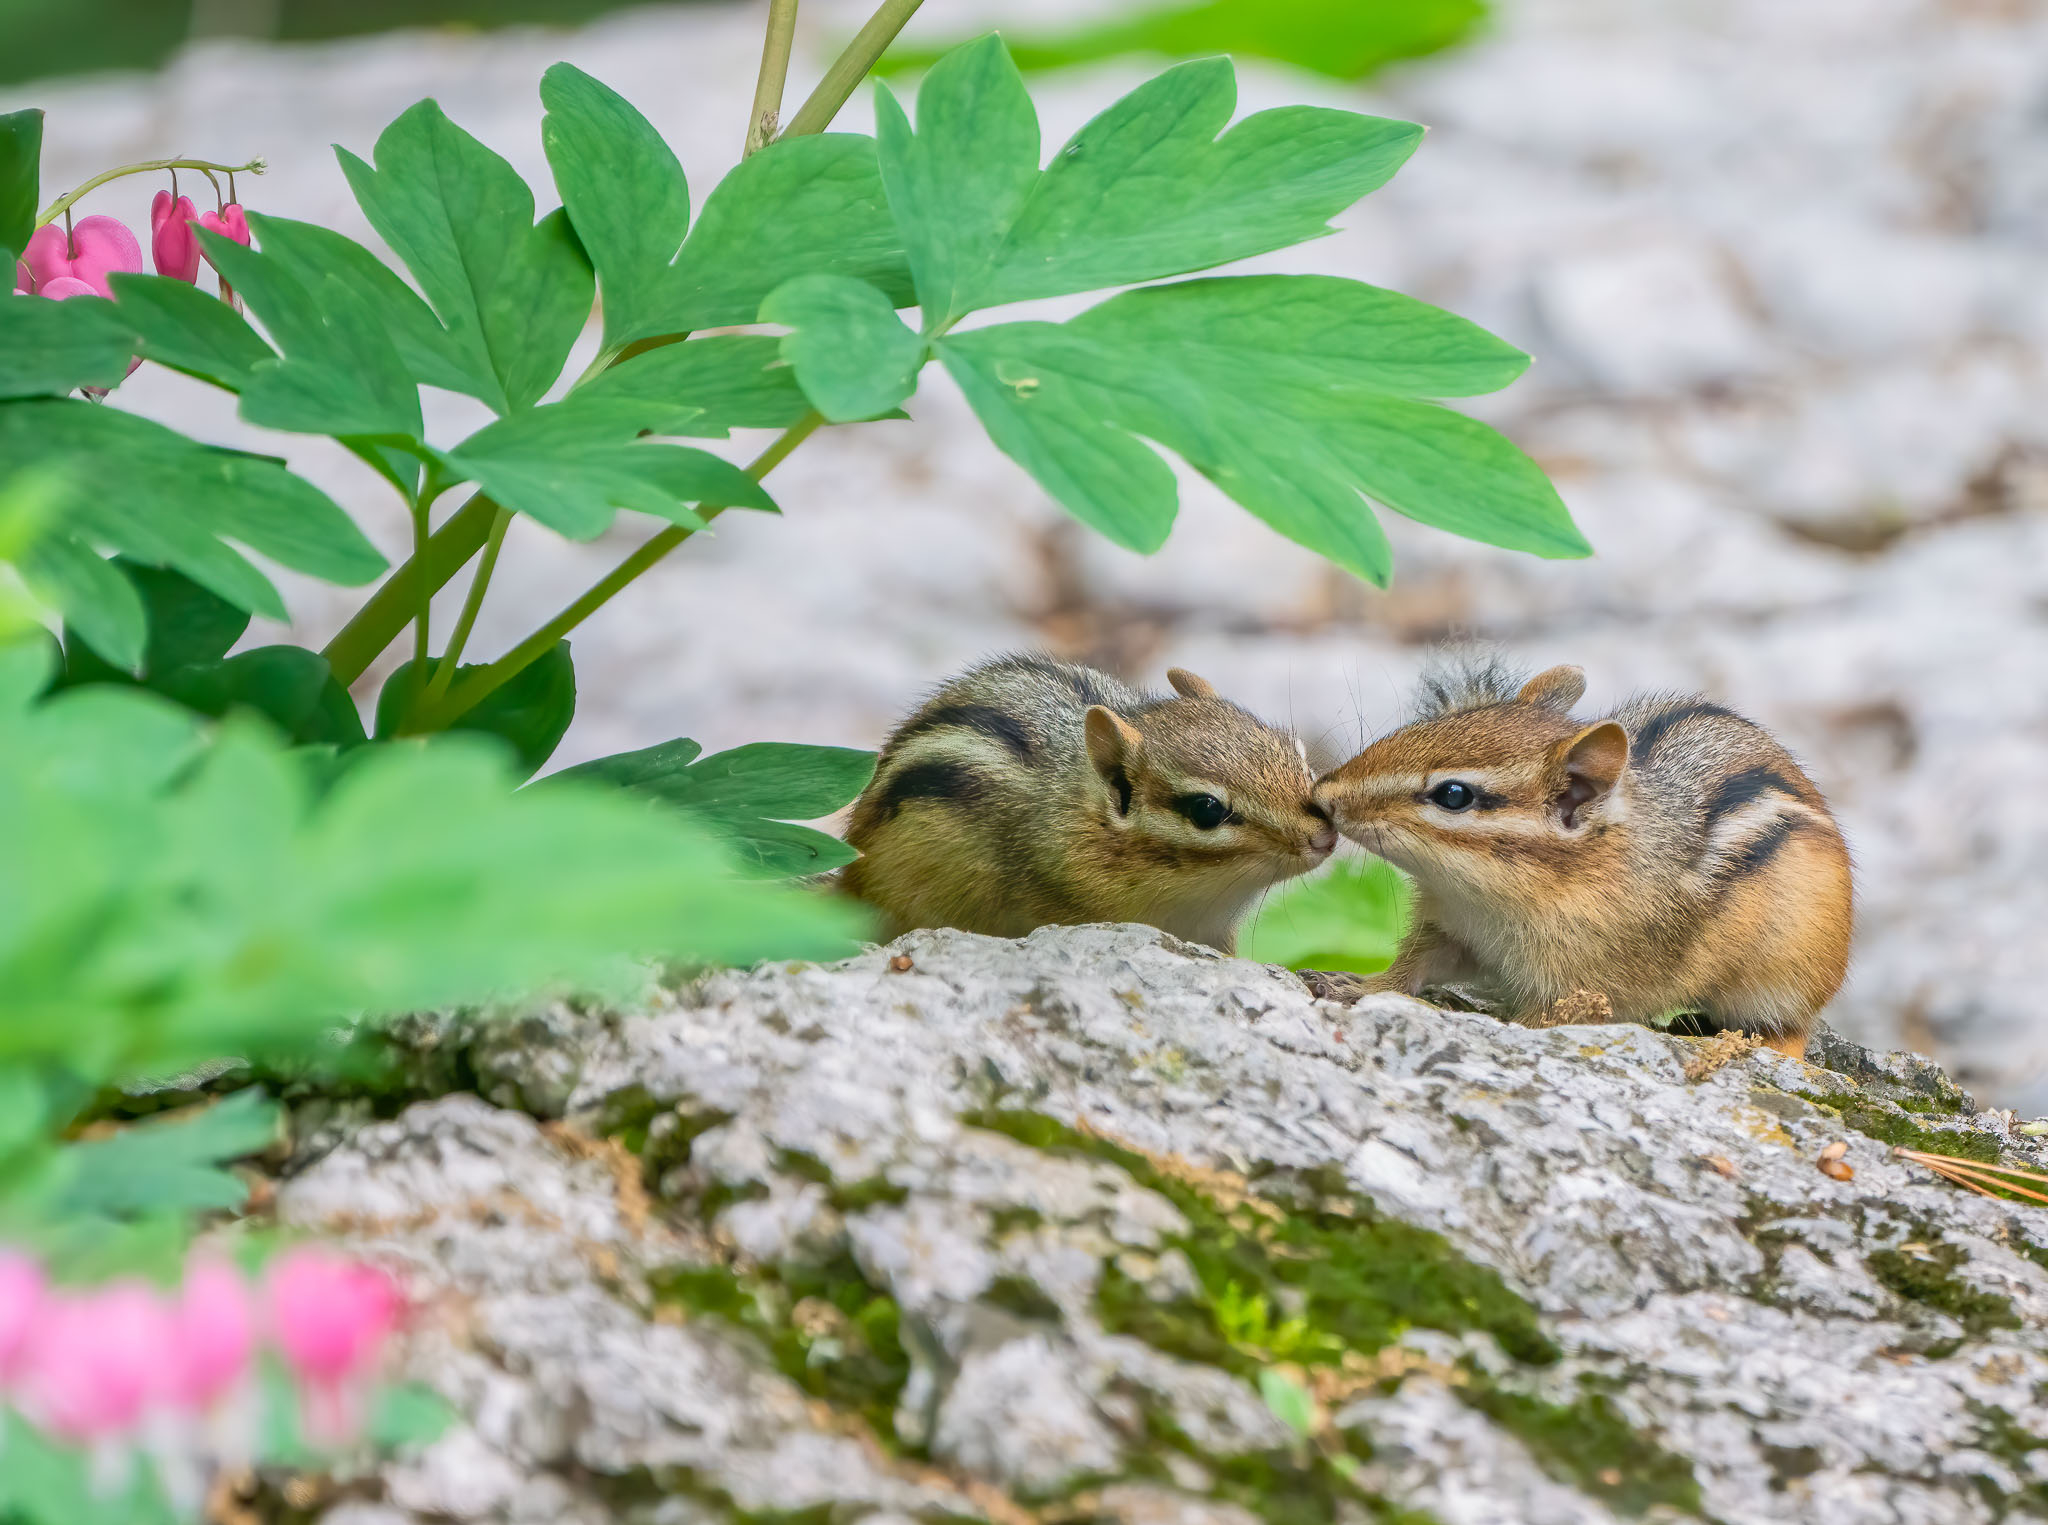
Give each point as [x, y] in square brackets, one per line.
[1329, 1276]
[1307, 1484]
[1929, 1277]
[1589, 1445]
[825, 1328]
[1870, 1117]
[857, 1196]
[2000, 1436]
[1021, 1297]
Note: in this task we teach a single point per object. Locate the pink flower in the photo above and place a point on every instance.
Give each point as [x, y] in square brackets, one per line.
[229, 222]
[99, 247]
[21, 1305]
[24, 283]
[330, 1317]
[92, 1361]
[212, 1331]
[172, 244]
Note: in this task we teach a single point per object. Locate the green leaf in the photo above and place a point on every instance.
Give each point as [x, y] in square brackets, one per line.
[186, 624]
[170, 892]
[21, 154]
[1289, 1401]
[314, 255]
[802, 206]
[1350, 917]
[46, 1483]
[512, 294]
[188, 330]
[569, 464]
[167, 500]
[170, 1162]
[530, 713]
[624, 190]
[49, 348]
[958, 183]
[1286, 391]
[97, 602]
[340, 373]
[1146, 189]
[291, 687]
[853, 357]
[405, 1416]
[748, 795]
[739, 381]
[1343, 39]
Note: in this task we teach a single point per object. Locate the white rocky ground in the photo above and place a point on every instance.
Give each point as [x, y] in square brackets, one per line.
[848, 1162]
[1781, 265]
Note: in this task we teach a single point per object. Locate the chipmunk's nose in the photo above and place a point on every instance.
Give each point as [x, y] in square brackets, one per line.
[1323, 840]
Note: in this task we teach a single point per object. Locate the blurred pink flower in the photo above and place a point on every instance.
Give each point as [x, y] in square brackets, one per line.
[229, 222]
[172, 244]
[99, 247]
[212, 1332]
[330, 1317]
[21, 1305]
[24, 283]
[93, 1361]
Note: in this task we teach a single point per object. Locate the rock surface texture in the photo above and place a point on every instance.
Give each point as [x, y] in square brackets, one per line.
[1779, 265]
[1098, 1226]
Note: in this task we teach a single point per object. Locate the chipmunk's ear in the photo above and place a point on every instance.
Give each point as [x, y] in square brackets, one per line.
[1188, 686]
[1558, 688]
[1591, 763]
[1113, 746]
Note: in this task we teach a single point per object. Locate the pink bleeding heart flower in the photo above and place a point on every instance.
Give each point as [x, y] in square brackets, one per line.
[21, 1306]
[212, 1332]
[93, 1361]
[24, 283]
[99, 247]
[172, 244]
[229, 222]
[330, 1317]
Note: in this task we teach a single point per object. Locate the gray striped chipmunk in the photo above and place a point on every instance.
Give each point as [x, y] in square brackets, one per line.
[1029, 792]
[1671, 857]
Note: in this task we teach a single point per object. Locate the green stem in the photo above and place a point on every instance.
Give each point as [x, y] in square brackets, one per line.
[851, 67]
[423, 602]
[478, 686]
[445, 673]
[357, 644]
[65, 202]
[774, 72]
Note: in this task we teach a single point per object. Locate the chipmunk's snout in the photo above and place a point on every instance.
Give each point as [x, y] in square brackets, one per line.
[1322, 840]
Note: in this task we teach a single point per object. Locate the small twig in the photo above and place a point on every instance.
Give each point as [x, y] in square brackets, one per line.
[1974, 1173]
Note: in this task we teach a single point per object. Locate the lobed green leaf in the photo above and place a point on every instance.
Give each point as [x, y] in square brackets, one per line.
[852, 355]
[736, 381]
[512, 294]
[1286, 391]
[49, 348]
[530, 713]
[21, 154]
[624, 191]
[188, 330]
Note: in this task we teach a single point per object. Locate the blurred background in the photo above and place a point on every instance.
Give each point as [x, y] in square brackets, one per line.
[1781, 266]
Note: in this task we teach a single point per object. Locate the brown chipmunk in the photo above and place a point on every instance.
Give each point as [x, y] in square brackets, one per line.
[1029, 792]
[1669, 858]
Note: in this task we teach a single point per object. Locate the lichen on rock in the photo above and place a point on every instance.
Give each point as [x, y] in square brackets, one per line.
[1097, 1225]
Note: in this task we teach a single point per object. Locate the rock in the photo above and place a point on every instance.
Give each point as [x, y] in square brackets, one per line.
[1051, 1228]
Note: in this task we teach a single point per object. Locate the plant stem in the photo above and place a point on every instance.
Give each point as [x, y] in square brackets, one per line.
[445, 673]
[851, 67]
[478, 686]
[774, 71]
[357, 644]
[423, 602]
[65, 202]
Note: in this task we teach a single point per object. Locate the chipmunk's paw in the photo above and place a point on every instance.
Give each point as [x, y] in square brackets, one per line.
[1329, 985]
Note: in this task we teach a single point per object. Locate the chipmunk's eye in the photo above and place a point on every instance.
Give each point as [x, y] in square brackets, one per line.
[1452, 795]
[1204, 811]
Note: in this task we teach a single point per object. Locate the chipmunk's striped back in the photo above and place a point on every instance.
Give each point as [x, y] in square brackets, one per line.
[1670, 857]
[1028, 792]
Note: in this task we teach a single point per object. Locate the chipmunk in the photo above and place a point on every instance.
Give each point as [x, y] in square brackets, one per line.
[1029, 792]
[1670, 858]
